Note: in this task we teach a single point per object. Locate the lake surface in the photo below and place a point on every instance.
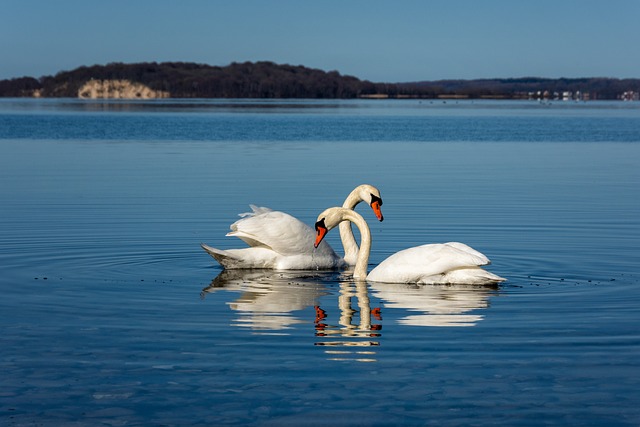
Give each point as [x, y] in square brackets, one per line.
[113, 315]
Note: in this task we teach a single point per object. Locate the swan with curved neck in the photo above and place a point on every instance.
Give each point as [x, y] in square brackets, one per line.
[441, 263]
[280, 241]
[359, 194]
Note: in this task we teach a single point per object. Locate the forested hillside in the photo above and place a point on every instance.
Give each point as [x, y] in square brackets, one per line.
[270, 80]
[189, 80]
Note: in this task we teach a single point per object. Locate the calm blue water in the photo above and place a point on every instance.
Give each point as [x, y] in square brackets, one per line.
[113, 315]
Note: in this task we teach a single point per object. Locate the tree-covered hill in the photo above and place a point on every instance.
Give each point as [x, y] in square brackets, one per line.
[190, 80]
[270, 80]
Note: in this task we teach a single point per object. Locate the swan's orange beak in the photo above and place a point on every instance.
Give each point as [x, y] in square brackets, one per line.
[375, 205]
[321, 231]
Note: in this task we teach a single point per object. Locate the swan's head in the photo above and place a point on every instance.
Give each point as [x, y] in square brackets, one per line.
[329, 219]
[375, 204]
[371, 195]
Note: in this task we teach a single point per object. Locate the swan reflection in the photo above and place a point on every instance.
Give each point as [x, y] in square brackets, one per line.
[435, 305]
[269, 299]
[348, 333]
[351, 327]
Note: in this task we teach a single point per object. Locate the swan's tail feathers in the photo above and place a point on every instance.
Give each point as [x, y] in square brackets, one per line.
[243, 258]
[493, 278]
[483, 277]
[224, 258]
[468, 276]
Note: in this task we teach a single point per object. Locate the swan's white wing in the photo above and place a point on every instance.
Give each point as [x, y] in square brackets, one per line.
[276, 241]
[279, 232]
[421, 263]
[469, 250]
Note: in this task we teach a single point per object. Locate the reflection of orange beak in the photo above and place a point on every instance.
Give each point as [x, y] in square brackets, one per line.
[376, 209]
[320, 233]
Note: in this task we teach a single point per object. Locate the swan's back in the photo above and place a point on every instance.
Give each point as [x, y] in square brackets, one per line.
[451, 262]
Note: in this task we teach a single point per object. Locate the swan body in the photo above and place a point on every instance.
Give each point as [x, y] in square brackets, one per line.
[441, 263]
[280, 241]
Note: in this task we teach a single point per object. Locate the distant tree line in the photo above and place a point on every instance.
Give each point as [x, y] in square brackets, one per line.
[589, 88]
[23, 86]
[270, 80]
[189, 80]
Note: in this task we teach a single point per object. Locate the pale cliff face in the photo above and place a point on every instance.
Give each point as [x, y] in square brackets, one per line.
[118, 89]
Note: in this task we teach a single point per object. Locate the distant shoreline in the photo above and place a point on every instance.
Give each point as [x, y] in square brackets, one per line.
[267, 80]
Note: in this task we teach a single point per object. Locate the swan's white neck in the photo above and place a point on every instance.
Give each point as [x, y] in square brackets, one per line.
[346, 233]
[353, 199]
[362, 261]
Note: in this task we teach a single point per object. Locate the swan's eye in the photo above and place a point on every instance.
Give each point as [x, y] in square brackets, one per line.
[375, 198]
[320, 225]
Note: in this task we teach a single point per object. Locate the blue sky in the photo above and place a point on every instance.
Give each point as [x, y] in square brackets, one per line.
[383, 41]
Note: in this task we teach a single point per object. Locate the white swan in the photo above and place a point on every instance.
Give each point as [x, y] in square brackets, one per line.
[280, 241]
[442, 263]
